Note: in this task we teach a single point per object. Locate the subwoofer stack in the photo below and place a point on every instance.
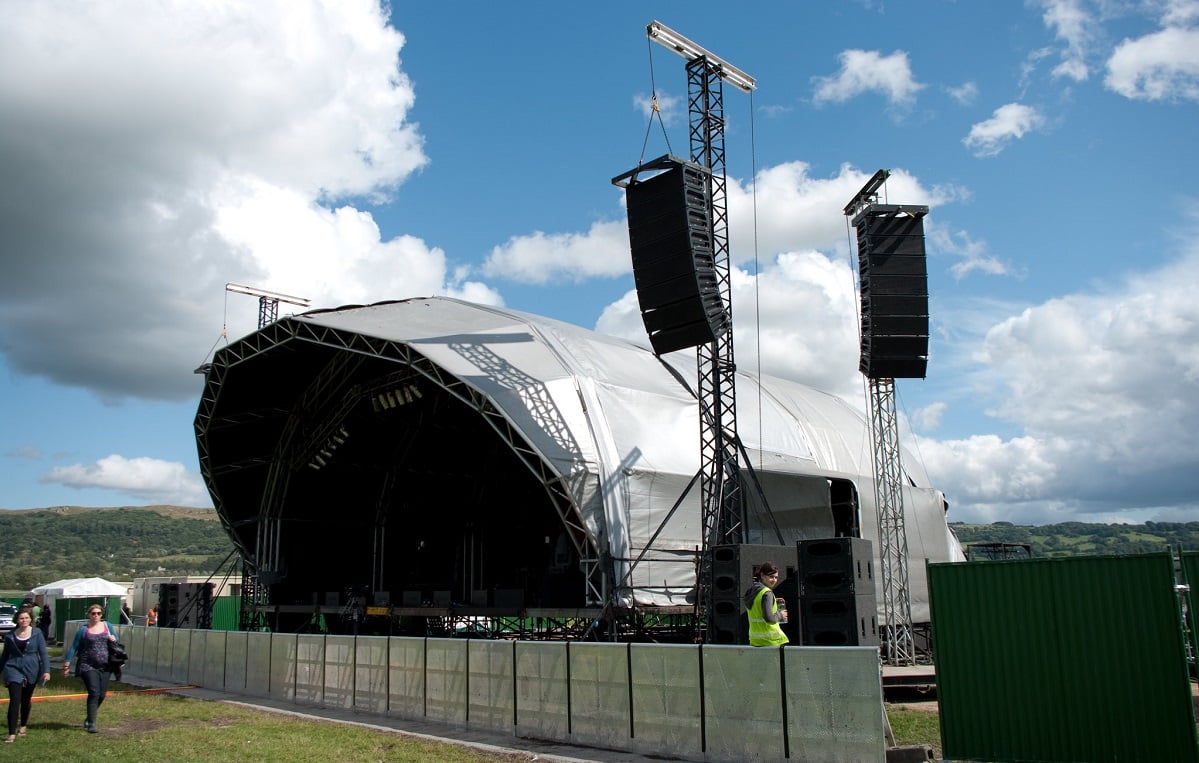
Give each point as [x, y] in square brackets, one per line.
[838, 605]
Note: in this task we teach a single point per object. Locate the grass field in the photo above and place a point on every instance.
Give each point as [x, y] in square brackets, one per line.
[162, 727]
[915, 726]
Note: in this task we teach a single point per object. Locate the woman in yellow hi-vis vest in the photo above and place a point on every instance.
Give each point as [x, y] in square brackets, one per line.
[766, 613]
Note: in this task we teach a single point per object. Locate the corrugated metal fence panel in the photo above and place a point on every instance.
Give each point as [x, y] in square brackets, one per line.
[1076, 659]
[226, 613]
[1190, 571]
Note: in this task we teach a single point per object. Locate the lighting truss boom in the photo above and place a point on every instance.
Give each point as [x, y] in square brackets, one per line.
[722, 497]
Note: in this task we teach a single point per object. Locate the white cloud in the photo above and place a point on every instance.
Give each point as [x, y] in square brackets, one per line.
[541, 258]
[971, 255]
[1073, 25]
[929, 417]
[1102, 385]
[153, 153]
[865, 71]
[1180, 12]
[1159, 66]
[964, 93]
[670, 108]
[1009, 122]
[146, 479]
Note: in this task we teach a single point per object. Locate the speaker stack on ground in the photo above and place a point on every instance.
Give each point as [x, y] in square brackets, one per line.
[893, 279]
[838, 605]
[733, 568]
[670, 235]
[185, 605]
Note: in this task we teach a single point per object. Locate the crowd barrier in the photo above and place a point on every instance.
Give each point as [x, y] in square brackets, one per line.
[697, 702]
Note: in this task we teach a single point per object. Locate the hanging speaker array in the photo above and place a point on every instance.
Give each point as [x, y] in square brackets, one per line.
[893, 279]
[670, 235]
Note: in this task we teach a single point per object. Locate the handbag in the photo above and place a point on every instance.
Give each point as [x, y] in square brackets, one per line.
[117, 657]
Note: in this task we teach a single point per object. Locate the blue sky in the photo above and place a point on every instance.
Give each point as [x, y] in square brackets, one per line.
[349, 152]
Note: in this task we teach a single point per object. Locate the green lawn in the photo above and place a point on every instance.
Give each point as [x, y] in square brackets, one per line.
[163, 727]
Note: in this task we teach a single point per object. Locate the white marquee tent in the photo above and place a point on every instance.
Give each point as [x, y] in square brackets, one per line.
[73, 588]
[77, 588]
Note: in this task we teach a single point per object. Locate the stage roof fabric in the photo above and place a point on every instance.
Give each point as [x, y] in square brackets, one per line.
[609, 429]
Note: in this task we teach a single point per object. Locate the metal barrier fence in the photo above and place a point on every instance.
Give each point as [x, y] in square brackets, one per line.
[1063, 659]
[700, 702]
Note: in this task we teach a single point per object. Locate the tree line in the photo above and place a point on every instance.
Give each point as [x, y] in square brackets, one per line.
[44, 545]
[1081, 538]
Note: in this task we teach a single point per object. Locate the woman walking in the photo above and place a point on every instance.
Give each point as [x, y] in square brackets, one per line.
[22, 663]
[91, 642]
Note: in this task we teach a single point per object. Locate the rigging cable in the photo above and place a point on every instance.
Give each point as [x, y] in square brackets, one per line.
[753, 168]
[655, 110]
[224, 329]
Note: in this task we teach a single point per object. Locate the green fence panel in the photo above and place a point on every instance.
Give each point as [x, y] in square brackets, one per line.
[1190, 572]
[1066, 659]
[75, 608]
[226, 613]
[112, 609]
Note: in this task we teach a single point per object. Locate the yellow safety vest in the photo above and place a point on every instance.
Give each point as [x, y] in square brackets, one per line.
[762, 633]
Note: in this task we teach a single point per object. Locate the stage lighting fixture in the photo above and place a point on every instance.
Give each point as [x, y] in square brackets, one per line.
[395, 398]
[689, 50]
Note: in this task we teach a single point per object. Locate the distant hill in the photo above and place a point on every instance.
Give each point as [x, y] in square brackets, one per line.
[119, 543]
[1080, 538]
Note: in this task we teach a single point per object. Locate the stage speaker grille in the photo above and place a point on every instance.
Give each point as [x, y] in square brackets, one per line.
[840, 621]
[836, 567]
[670, 237]
[893, 277]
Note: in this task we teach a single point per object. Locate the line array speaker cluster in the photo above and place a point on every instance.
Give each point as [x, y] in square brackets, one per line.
[670, 236]
[893, 278]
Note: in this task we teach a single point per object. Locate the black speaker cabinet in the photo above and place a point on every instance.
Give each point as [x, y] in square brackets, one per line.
[837, 598]
[893, 276]
[670, 236]
[840, 620]
[168, 605]
[185, 605]
[733, 568]
[836, 567]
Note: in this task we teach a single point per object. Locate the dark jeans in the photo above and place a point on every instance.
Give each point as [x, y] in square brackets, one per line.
[20, 699]
[96, 681]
